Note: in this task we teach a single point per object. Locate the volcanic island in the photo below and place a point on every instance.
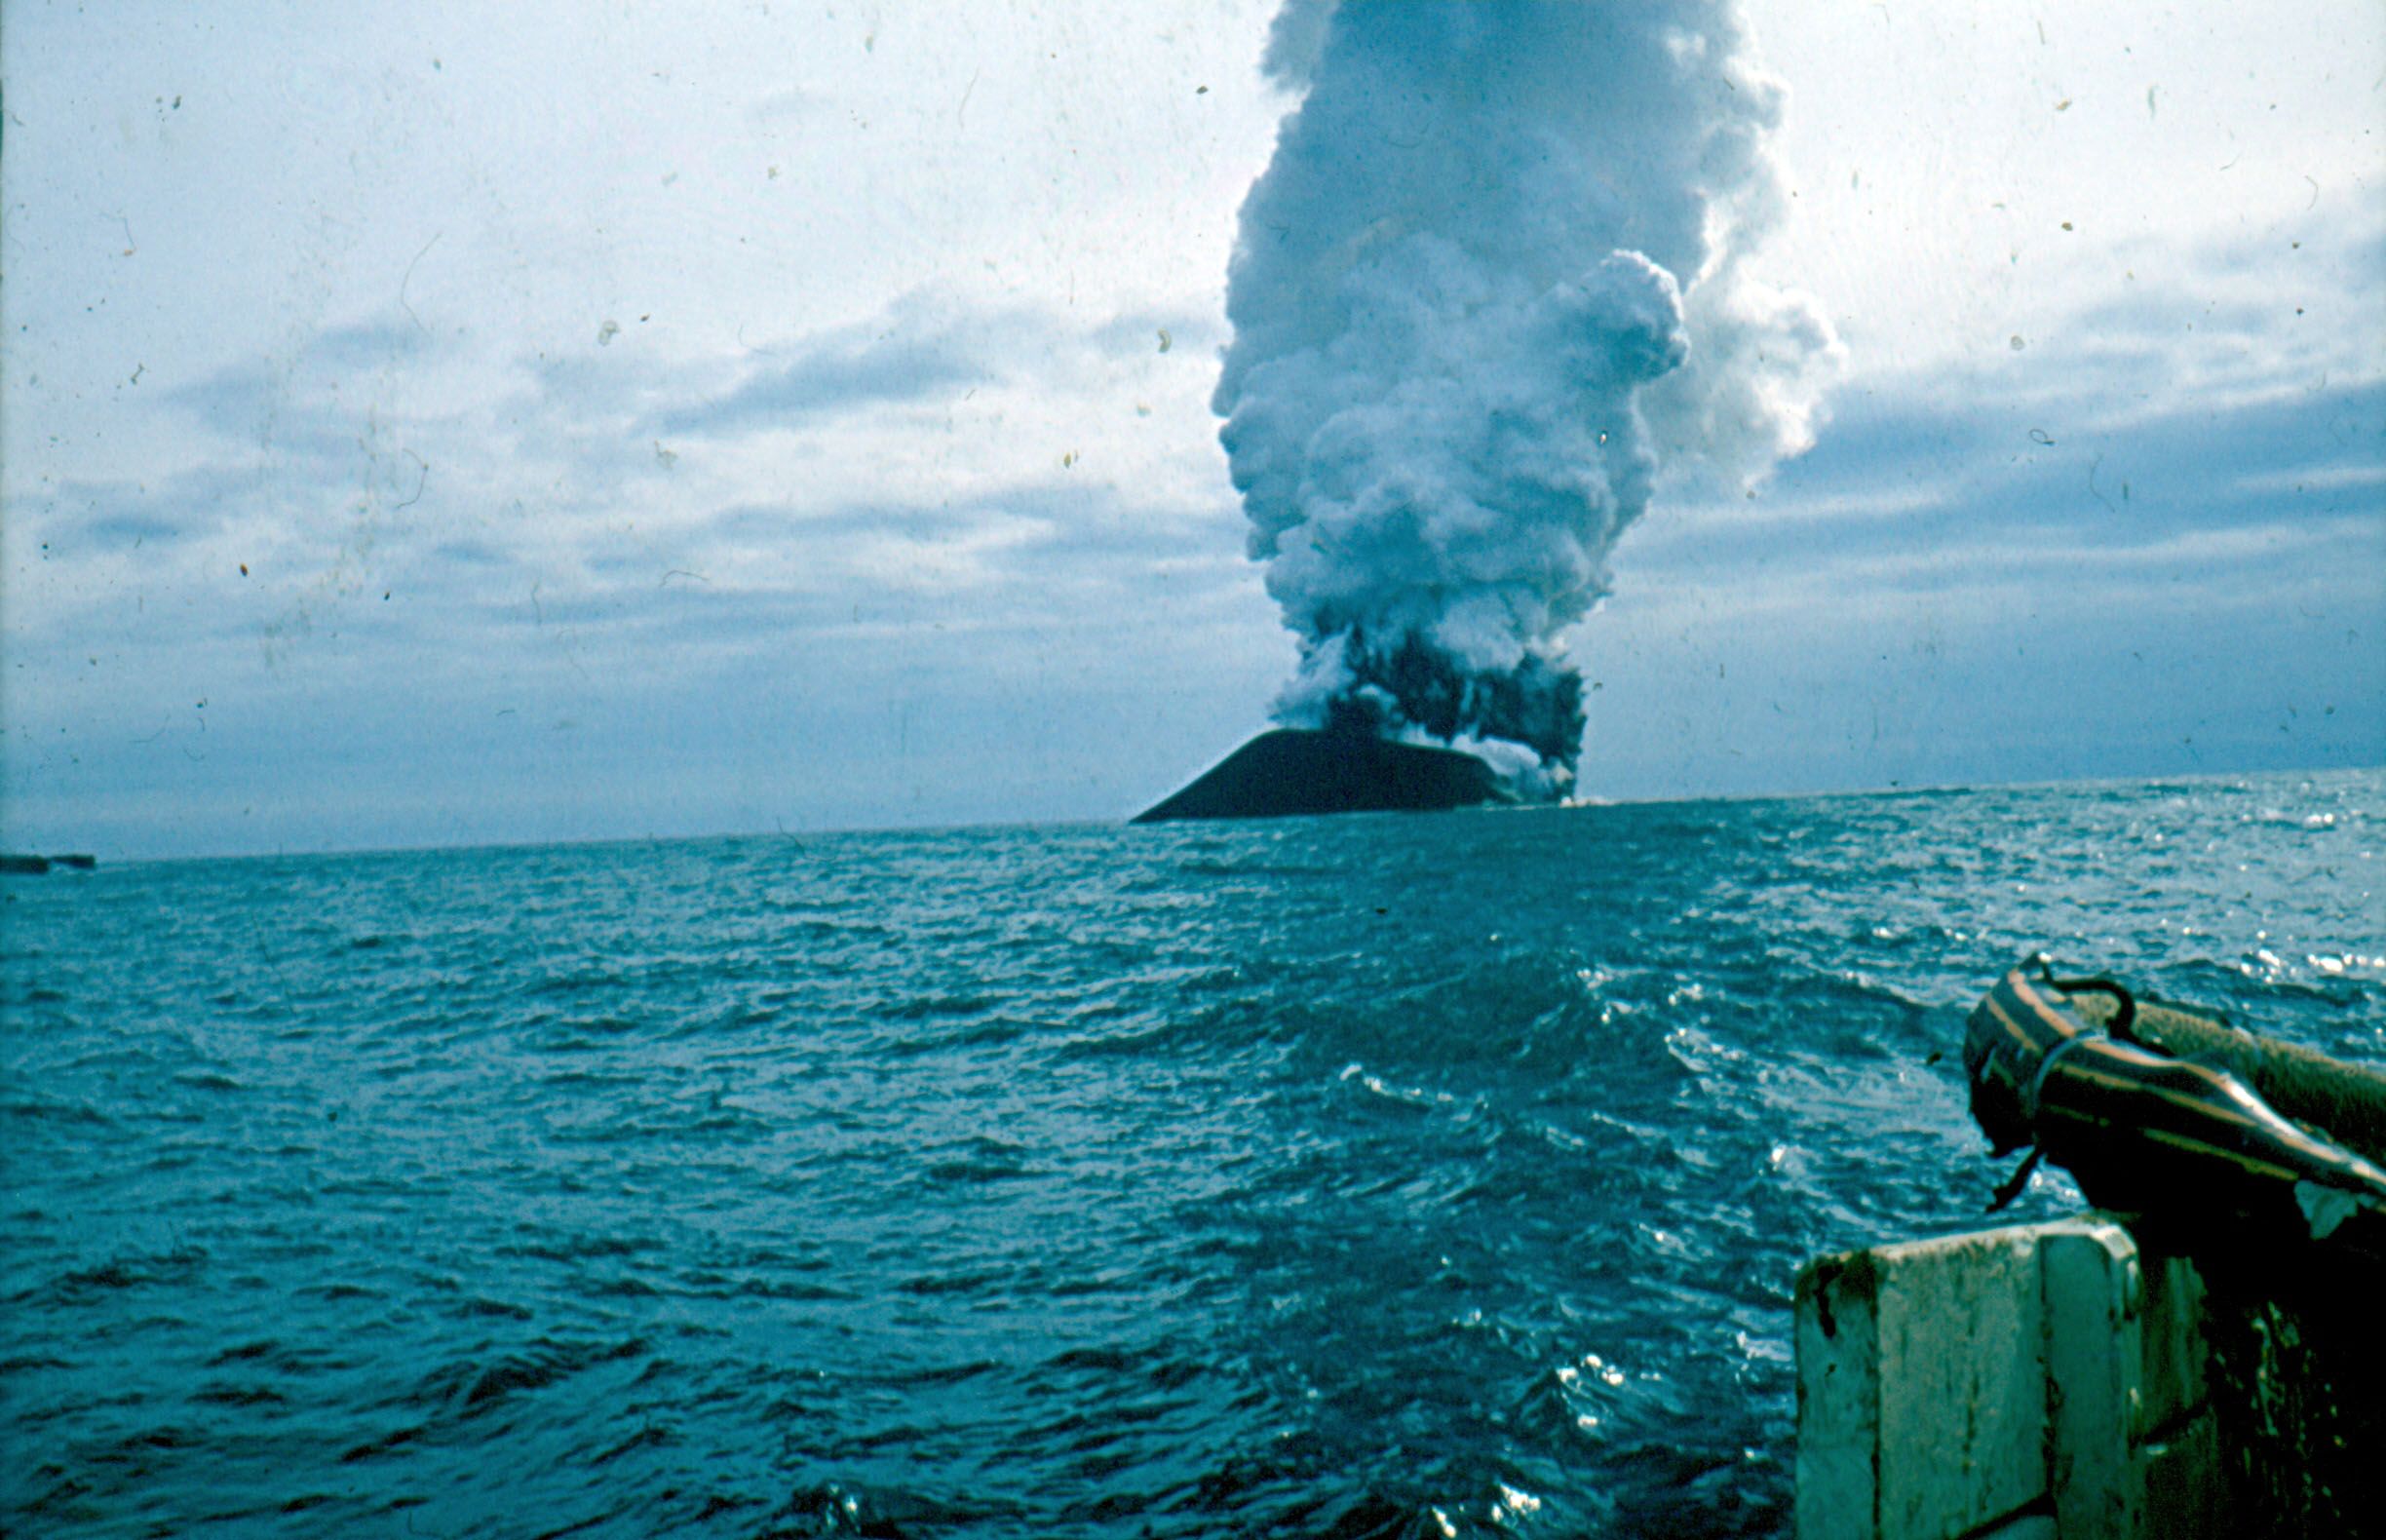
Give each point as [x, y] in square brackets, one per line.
[1292, 771]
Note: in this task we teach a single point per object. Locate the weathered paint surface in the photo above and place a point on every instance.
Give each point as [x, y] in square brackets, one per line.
[2036, 1381]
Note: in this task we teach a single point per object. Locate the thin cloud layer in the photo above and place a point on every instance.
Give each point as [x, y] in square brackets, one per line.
[342, 559]
[2148, 544]
[833, 377]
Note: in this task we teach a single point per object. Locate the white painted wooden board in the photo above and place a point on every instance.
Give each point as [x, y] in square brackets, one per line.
[2011, 1382]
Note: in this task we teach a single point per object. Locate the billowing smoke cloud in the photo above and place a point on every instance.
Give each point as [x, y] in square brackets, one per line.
[1490, 284]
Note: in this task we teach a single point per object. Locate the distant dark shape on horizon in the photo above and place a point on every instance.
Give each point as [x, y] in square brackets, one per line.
[17, 864]
[1293, 770]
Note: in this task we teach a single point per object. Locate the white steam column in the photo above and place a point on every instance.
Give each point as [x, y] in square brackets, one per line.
[1488, 290]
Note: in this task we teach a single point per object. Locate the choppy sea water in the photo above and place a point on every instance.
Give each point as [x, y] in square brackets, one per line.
[1379, 1175]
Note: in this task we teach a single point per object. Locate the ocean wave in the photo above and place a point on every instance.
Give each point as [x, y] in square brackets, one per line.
[1368, 1176]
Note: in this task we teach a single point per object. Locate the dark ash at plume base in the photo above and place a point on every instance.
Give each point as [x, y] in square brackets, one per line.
[1537, 704]
[1345, 768]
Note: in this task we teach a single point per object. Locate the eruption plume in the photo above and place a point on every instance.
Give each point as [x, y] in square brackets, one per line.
[1489, 285]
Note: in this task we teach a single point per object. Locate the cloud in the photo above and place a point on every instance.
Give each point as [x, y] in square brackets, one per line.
[2147, 543]
[470, 553]
[2369, 479]
[2196, 401]
[881, 363]
[383, 342]
[316, 399]
[268, 410]
[1924, 494]
[1159, 330]
[110, 517]
[1023, 557]
[424, 522]
[785, 103]
[827, 382]
[2168, 504]
[923, 349]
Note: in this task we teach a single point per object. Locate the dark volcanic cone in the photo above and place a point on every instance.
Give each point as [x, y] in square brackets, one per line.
[1296, 770]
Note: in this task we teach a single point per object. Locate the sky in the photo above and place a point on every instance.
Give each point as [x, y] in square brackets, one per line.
[430, 425]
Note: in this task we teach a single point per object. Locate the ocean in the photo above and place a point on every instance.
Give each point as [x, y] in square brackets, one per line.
[1387, 1175]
